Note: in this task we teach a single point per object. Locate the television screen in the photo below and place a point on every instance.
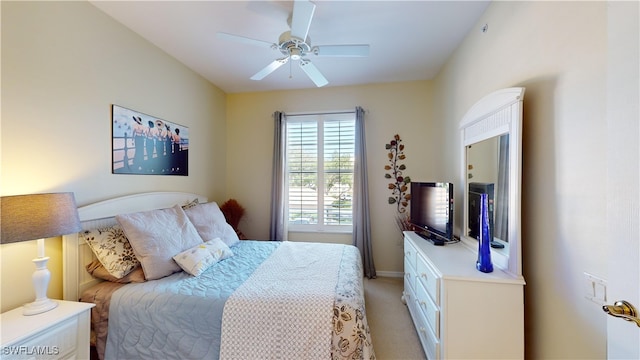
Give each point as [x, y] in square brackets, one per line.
[432, 208]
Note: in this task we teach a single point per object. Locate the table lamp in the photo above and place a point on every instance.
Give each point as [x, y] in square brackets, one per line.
[36, 217]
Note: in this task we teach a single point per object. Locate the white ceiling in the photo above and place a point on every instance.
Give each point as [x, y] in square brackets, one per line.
[409, 40]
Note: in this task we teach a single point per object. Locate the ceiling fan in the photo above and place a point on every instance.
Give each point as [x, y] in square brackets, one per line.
[295, 45]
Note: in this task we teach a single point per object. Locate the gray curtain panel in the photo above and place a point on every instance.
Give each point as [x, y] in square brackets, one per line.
[278, 227]
[361, 222]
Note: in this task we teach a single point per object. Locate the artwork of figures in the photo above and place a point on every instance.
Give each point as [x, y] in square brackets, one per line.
[146, 145]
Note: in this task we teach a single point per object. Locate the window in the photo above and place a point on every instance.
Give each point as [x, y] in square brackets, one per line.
[320, 159]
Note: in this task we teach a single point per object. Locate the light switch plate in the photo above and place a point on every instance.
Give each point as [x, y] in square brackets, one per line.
[595, 289]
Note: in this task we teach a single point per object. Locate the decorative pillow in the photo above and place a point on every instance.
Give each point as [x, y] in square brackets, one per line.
[96, 269]
[200, 257]
[191, 204]
[211, 224]
[156, 236]
[219, 249]
[112, 248]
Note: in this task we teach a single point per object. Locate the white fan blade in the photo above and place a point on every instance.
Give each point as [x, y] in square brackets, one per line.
[269, 69]
[342, 50]
[301, 19]
[313, 73]
[245, 40]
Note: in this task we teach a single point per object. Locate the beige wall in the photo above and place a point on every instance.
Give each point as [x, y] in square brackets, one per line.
[557, 50]
[397, 108]
[63, 65]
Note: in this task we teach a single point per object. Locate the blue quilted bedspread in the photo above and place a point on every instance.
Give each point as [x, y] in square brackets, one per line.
[179, 316]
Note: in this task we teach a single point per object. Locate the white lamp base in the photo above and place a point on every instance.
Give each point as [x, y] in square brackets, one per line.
[38, 307]
[40, 280]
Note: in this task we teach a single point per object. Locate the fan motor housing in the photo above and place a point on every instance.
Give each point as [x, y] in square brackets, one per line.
[292, 46]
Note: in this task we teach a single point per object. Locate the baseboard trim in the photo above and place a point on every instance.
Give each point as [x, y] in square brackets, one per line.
[394, 274]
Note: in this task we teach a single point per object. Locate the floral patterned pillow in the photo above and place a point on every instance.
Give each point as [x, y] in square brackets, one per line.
[112, 248]
[191, 204]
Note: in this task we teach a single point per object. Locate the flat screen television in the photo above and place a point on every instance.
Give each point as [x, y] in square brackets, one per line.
[431, 210]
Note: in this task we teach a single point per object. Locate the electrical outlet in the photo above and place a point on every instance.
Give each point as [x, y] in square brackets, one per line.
[595, 289]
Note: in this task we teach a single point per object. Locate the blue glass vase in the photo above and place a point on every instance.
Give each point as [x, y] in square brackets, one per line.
[484, 244]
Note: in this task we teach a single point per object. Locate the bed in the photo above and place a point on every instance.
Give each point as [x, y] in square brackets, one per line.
[185, 286]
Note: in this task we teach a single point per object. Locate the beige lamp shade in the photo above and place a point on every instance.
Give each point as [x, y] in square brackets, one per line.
[37, 216]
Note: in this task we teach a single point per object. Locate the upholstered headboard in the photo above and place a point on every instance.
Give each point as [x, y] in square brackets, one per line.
[77, 254]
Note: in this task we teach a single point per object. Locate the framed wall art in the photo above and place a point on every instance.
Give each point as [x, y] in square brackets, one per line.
[147, 145]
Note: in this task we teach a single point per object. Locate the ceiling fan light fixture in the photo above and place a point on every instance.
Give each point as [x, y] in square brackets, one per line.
[295, 53]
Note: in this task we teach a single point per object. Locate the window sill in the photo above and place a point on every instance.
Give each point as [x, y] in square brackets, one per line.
[318, 231]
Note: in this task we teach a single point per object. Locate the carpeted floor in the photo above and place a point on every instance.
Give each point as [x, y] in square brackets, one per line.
[392, 332]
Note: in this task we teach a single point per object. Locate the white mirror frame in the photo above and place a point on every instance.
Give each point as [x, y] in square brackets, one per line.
[497, 114]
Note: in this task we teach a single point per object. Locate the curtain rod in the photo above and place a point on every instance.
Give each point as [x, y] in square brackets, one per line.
[322, 113]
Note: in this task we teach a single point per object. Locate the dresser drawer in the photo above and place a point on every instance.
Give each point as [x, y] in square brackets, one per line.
[428, 308]
[427, 276]
[410, 252]
[430, 343]
[410, 274]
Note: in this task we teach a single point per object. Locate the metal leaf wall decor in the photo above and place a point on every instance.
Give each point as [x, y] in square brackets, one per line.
[400, 184]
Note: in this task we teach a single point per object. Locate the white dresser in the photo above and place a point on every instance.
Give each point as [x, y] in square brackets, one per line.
[60, 333]
[458, 311]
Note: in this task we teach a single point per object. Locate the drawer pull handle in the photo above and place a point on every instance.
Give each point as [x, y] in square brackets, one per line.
[423, 330]
[424, 275]
[423, 303]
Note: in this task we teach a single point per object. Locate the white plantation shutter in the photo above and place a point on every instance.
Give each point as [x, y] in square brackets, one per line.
[320, 155]
[302, 166]
[339, 142]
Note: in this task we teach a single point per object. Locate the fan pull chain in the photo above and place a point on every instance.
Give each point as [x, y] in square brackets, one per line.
[290, 70]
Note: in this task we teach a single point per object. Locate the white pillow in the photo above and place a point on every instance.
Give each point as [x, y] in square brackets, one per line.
[113, 250]
[156, 236]
[200, 257]
[211, 224]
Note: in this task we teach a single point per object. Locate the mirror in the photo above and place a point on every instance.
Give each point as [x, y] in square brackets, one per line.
[492, 164]
[487, 169]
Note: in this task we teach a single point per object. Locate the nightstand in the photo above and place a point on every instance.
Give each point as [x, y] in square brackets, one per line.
[61, 333]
